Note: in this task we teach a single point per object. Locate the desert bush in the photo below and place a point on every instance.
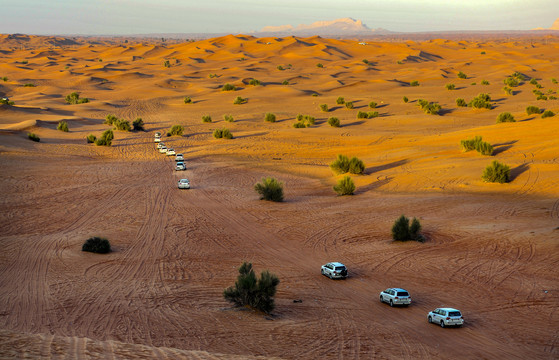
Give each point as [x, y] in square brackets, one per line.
[533, 110]
[405, 98]
[373, 105]
[402, 231]
[473, 84]
[422, 103]
[470, 144]
[91, 139]
[414, 83]
[206, 118]
[97, 245]
[254, 82]
[110, 119]
[345, 186]
[340, 100]
[222, 134]
[372, 114]
[280, 68]
[534, 82]
[496, 172]
[485, 148]
[4, 78]
[482, 53]
[314, 94]
[450, 86]
[554, 80]
[482, 101]
[304, 121]
[62, 126]
[548, 113]
[518, 76]
[228, 118]
[187, 100]
[343, 165]
[270, 189]
[324, 107]
[505, 117]
[122, 125]
[74, 98]
[362, 115]
[461, 102]
[285, 82]
[461, 75]
[319, 65]
[356, 166]
[553, 97]
[106, 138]
[432, 109]
[228, 87]
[541, 97]
[270, 117]
[365, 61]
[166, 63]
[334, 122]
[511, 81]
[299, 124]
[537, 92]
[508, 90]
[239, 100]
[138, 124]
[484, 82]
[29, 85]
[539, 86]
[250, 291]
[176, 130]
[349, 104]
[33, 137]
[6, 101]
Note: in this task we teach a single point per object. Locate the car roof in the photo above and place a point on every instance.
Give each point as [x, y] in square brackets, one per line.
[337, 264]
[184, 180]
[398, 289]
[179, 154]
[449, 309]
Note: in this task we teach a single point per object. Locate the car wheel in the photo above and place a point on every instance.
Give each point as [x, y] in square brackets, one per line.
[330, 275]
[381, 300]
[442, 324]
[391, 303]
[322, 271]
[430, 320]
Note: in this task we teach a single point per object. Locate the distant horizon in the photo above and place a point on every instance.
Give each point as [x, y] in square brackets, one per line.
[141, 17]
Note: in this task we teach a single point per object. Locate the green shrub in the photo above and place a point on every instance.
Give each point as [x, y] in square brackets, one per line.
[534, 82]
[187, 100]
[373, 105]
[91, 139]
[547, 113]
[222, 134]
[432, 109]
[304, 121]
[138, 124]
[250, 291]
[505, 117]
[110, 119]
[345, 186]
[402, 231]
[362, 115]
[372, 114]
[285, 82]
[450, 86]
[280, 68]
[334, 122]
[270, 189]
[74, 98]
[228, 87]
[554, 80]
[422, 103]
[62, 126]
[340, 101]
[299, 124]
[365, 61]
[206, 118]
[5, 78]
[270, 117]
[461, 75]
[518, 76]
[405, 98]
[319, 65]
[349, 104]
[482, 101]
[33, 137]
[97, 245]
[324, 107]
[166, 63]
[508, 90]
[541, 97]
[470, 144]
[414, 83]
[254, 82]
[552, 97]
[511, 81]
[484, 82]
[228, 118]
[496, 172]
[314, 94]
[6, 101]
[239, 100]
[121, 124]
[461, 102]
[106, 138]
[356, 166]
[176, 130]
[533, 110]
[485, 148]
[483, 53]
[343, 165]
[29, 85]
[539, 86]
[473, 84]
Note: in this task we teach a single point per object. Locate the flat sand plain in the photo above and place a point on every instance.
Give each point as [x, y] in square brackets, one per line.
[491, 249]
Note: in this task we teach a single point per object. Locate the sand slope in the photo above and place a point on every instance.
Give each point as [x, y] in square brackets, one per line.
[492, 249]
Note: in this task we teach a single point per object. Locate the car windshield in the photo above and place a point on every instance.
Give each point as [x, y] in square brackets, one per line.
[340, 268]
[403, 293]
[454, 313]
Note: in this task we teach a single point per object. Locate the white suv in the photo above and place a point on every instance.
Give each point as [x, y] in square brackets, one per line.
[334, 270]
[446, 317]
[395, 296]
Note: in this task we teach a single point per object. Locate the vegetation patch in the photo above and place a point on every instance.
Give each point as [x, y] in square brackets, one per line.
[461, 102]
[228, 87]
[340, 100]
[187, 100]
[405, 98]
[414, 83]
[477, 144]
[461, 75]
[548, 113]
[450, 86]
[482, 101]
[97, 245]
[403, 231]
[254, 82]
[240, 100]
[228, 118]
[345, 165]
[176, 130]
[62, 126]
[223, 134]
[345, 186]
[256, 293]
[324, 107]
[373, 105]
[74, 98]
[91, 139]
[496, 172]
[33, 137]
[138, 124]
[334, 122]
[270, 189]
[505, 117]
[206, 118]
[269, 117]
[533, 110]
[106, 138]
[349, 105]
[304, 121]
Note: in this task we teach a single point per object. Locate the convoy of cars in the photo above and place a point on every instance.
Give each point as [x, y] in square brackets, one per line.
[336, 270]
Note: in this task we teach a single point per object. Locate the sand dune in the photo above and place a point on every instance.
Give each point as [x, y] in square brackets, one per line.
[491, 249]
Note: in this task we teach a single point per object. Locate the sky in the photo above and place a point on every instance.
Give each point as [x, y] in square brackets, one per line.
[126, 17]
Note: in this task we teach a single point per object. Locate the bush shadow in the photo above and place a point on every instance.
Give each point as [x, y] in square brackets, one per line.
[374, 185]
[502, 147]
[353, 123]
[251, 135]
[514, 173]
[373, 169]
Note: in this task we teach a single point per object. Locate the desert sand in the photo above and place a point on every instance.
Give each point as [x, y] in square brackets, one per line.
[491, 249]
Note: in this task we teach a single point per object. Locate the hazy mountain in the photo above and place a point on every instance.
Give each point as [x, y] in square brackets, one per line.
[345, 26]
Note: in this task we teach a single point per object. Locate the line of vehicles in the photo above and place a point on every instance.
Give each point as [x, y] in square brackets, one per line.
[397, 296]
[179, 159]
